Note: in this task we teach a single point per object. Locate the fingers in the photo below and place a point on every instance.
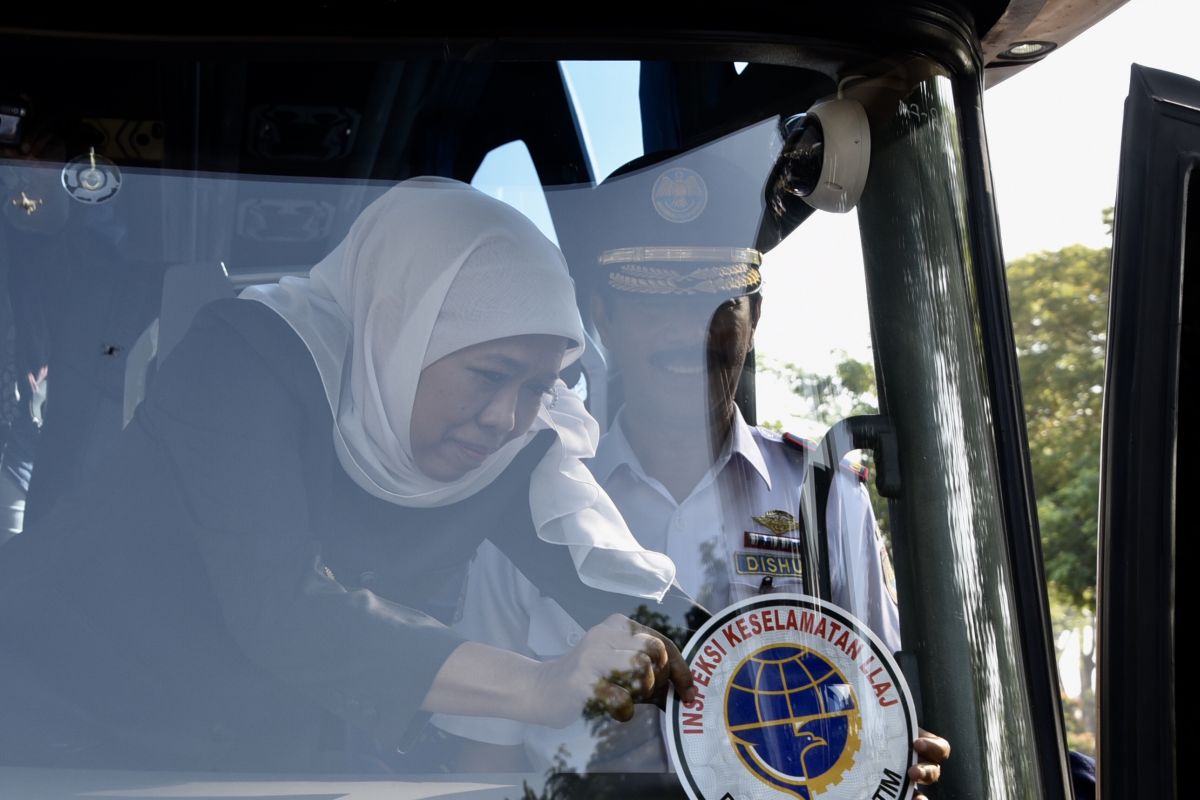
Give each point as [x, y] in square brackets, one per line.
[654, 648]
[639, 679]
[619, 667]
[629, 655]
[612, 700]
[931, 747]
[925, 773]
[932, 751]
[681, 675]
[668, 662]
[636, 660]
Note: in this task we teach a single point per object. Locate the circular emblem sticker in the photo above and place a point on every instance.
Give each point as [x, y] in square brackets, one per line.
[795, 696]
[679, 195]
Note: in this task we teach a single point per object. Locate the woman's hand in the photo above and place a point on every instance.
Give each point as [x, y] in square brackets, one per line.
[617, 664]
[932, 751]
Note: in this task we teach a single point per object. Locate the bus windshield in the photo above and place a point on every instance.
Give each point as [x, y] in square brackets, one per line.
[414, 419]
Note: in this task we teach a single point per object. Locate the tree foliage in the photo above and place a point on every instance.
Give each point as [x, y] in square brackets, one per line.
[1060, 305]
[1060, 310]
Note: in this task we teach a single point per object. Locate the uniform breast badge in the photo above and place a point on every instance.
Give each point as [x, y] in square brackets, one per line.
[778, 522]
[775, 554]
[796, 696]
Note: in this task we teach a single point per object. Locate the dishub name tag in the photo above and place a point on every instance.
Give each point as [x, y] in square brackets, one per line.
[795, 695]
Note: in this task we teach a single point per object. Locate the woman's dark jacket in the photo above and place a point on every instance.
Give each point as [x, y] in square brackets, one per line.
[224, 597]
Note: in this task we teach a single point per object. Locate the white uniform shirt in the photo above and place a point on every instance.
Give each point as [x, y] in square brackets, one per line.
[705, 536]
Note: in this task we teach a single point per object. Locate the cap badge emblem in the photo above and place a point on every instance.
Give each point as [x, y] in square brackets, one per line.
[679, 195]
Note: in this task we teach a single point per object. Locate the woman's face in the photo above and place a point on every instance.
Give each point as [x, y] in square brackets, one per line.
[472, 402]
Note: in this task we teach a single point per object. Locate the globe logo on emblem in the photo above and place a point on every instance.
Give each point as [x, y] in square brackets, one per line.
[796, 698]
[793, 719]
[679, 195]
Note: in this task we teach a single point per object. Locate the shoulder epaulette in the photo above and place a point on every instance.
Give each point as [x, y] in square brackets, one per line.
[857, 469]
[804, 445]
[800, 442]
[798, 448]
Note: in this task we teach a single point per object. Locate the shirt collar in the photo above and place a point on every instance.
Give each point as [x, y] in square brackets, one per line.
[743, 442]
[614, 451]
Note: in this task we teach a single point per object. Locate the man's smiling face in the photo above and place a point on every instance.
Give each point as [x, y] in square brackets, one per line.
[680, 357]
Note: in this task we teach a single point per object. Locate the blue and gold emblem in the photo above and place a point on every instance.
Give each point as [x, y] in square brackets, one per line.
[795, 698]
[793, 719]
[679, 195]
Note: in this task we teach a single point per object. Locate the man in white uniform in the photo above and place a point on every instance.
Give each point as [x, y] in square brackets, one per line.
[730, 536]
[676, 302]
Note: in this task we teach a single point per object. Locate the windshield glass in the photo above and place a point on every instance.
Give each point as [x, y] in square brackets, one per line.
[421, 418]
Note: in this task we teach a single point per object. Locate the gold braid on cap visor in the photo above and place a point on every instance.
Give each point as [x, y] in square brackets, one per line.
[727, 270]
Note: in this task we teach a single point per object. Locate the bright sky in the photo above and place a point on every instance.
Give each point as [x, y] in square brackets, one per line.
[1054, 130]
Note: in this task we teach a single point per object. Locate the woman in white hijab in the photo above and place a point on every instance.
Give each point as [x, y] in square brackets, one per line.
[432, 278]
[292, 540]
[439, 327]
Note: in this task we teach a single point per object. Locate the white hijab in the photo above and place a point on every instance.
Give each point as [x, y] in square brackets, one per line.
[367, 313]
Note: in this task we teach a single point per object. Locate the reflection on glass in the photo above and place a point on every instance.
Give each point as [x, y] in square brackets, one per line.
[311, 469]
